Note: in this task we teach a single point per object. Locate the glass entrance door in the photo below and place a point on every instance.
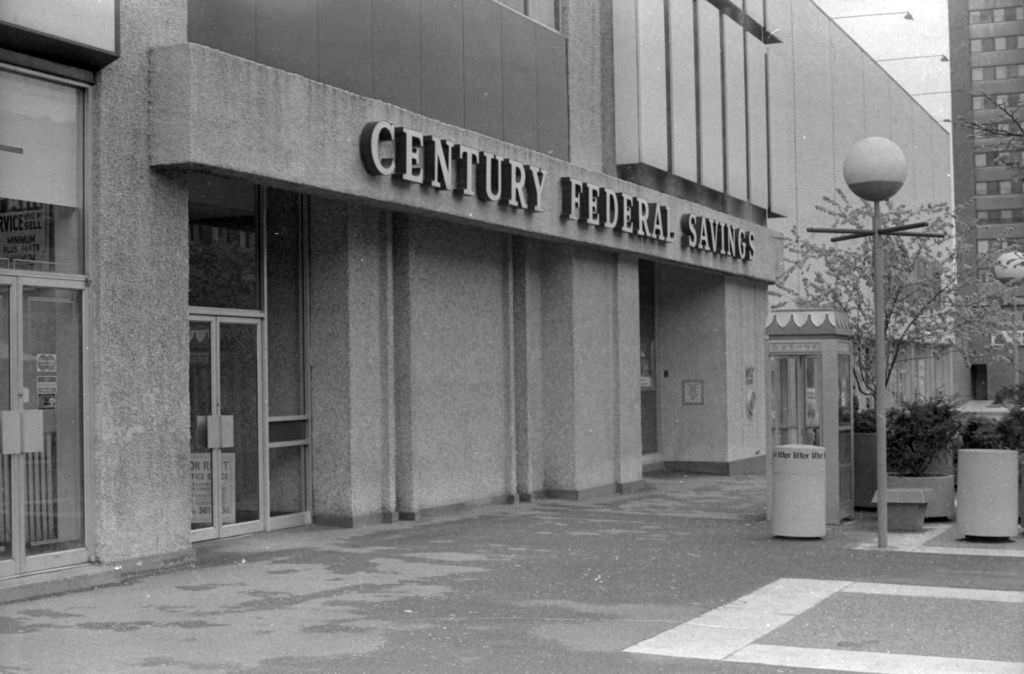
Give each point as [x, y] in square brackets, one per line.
[228, 459]
[42, 522]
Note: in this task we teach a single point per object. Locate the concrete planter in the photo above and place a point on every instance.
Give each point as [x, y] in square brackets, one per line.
[988, 496]
[906, 509]
[939, 479]
[942, 502]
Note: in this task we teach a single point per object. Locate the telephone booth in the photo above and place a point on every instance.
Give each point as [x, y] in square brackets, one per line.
[810, 397]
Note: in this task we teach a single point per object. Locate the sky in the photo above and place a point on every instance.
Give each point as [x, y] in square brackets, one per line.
[918, 44]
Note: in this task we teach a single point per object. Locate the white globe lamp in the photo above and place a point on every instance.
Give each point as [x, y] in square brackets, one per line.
[875, 169]
[1009, 268]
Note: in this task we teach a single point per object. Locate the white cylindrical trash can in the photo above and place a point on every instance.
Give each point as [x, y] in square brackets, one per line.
[798, 491]
[986, 493]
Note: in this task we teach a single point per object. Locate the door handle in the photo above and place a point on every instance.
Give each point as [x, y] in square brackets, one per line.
[32, 431]
[10, 431]
[21, 432]
[218, 429]
[227, 430]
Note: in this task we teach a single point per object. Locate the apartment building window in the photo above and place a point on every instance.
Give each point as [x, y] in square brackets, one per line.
[985, 44]
[1006, 72]
[987, 187]
[997, 15]
[1001, 216]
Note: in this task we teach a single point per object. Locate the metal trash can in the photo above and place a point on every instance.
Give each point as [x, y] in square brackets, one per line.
[798, 491]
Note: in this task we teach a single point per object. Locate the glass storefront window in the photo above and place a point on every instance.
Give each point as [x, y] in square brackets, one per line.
[41, 146]
[284, 303]
[224, 243]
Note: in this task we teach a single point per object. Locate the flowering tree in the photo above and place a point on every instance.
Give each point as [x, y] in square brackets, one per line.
[927, 300]
[1004, 128]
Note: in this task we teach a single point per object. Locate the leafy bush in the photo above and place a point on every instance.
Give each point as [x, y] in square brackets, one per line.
[919, 431]
[1011, 429]
[1010, 396]
[981, 433]
[864, 421]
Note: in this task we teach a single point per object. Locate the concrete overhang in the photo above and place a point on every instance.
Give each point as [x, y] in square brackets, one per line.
[217, 113]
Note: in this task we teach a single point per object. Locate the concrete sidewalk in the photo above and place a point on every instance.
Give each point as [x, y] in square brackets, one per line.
[682, 576]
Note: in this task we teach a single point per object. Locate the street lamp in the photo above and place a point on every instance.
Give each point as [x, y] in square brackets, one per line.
[906, 15]
[875, 170]
[1009, 270]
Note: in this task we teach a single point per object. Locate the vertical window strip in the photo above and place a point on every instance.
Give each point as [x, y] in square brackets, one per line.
[746, 106]
[697, 92]
[724, 94]
[669, 117]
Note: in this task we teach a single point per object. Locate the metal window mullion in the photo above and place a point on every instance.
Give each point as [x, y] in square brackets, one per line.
[306, 210]
[215, 455]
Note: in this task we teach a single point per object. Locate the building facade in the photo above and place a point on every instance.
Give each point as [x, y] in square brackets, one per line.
[987, 73]
[277, 263]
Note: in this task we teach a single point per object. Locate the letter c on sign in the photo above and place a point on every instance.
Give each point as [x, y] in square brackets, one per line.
[373, 135]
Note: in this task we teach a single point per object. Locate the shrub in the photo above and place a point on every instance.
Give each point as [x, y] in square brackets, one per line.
[1010, 396]
[864, 421]
[1011, 429]
[919, 431]
[981, 433]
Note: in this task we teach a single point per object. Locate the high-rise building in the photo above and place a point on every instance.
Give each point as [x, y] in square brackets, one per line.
[987, 78]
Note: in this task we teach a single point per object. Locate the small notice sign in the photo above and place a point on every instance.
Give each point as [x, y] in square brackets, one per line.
[46, 362]
[46, 391]
[693, 391]
[202, 488]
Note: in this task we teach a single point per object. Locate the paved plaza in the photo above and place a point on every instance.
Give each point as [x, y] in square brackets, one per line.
[681, 577]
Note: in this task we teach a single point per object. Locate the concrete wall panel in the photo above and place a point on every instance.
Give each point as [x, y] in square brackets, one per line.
[691, 348]
[746, 314]
[458, 341]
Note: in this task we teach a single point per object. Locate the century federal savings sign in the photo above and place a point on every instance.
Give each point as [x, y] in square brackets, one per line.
[410, 156]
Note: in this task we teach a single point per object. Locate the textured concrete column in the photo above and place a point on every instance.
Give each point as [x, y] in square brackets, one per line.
[138, 267]
[528, 337]
[581, 362]
[628, 451]
[350, 361]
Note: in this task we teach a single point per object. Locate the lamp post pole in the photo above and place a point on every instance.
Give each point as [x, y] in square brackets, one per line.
[881, 467]
[875, 169]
